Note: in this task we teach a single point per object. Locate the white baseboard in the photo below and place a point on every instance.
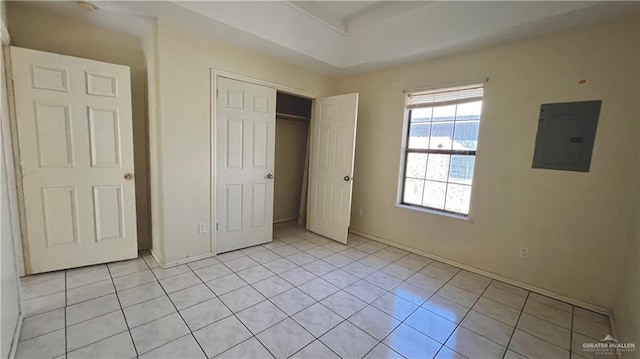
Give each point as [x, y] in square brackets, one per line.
[516, 283]
[285, 220]
[16, 337]
[180, 261]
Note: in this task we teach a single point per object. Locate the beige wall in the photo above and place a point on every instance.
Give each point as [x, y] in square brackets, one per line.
[36, 29]
[185, 58]
[9, 291]
[574, 224]
[626, 307]
[291, 147]
[150, 47]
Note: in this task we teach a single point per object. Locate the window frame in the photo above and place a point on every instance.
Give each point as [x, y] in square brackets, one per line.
[405, 151]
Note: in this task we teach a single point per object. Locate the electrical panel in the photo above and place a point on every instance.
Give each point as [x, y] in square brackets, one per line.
[566, 134]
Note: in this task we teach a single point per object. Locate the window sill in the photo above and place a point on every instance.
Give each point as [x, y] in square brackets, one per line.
[432, 211]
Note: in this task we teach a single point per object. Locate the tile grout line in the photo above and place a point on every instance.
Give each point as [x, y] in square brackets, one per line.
[104, 314]
[66, 326]
[291, 316]
[521, 311]
[327, 331]
[459, 324]
[42, 296]
[105, 338]
[515, 326]
[544, 339]
[64, 276]
[380, 341]
[420, 306]
[232, 314]
[75, 288]
[340, 289]
[174, 306]
[86, 300]
[507, 324]
[570, 329]
[571, 333]
[470, 308]
[249, 285]
[345, 319]
[288, 316]
[114, 292]
[126, 322]
[202, 283]
[62, 271]
[225, 305]
[501, 304]
[352, 260]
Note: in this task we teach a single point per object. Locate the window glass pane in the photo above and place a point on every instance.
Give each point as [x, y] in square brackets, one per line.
[421, 114]
[469, 111]
[438, 167]
[413, 191]
[434, 177]
[458, 197]
[434, 193]
[461, 169]
[441, 134]
[419, 135]
[466, 135]
[416, 165]
[444, 113]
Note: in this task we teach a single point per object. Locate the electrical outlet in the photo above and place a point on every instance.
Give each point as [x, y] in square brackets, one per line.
[524, 252]
[202, 227]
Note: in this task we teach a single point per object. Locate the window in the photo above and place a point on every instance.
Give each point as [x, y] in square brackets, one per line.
[442, 137]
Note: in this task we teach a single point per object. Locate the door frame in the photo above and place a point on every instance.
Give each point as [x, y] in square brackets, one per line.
[215, 73]
[13, 168]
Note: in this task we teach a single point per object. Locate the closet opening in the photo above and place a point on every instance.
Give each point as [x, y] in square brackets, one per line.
[293, 117]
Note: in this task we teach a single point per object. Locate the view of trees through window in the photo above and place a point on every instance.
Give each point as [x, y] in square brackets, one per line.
[440, 156]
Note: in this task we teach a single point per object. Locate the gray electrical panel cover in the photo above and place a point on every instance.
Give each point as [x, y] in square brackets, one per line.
[566, 133]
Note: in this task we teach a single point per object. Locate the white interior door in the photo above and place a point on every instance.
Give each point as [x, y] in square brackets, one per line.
[76, 156]
[245, 137]
[333, 140]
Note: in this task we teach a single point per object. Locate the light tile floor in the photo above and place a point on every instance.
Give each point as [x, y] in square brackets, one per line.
[301, 296]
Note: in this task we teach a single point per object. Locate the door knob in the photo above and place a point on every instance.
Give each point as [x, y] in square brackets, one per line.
[128, 176]
[270, 175]
[347, 178]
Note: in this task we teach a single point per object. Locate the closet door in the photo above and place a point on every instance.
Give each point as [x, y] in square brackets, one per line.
[333, 139]
[245, 147]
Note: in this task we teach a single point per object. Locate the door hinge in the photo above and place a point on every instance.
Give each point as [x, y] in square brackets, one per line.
[216, 226]
[216, 93]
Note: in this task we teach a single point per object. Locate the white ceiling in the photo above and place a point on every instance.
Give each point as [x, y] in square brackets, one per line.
[350, 36]
[338, 14]
[348, 9]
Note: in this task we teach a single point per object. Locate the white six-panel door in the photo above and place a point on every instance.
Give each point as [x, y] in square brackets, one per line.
[76, 156]
[245, 149]
[333, 137]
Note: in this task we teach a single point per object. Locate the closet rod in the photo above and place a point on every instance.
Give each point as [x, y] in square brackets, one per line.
[287, 116]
